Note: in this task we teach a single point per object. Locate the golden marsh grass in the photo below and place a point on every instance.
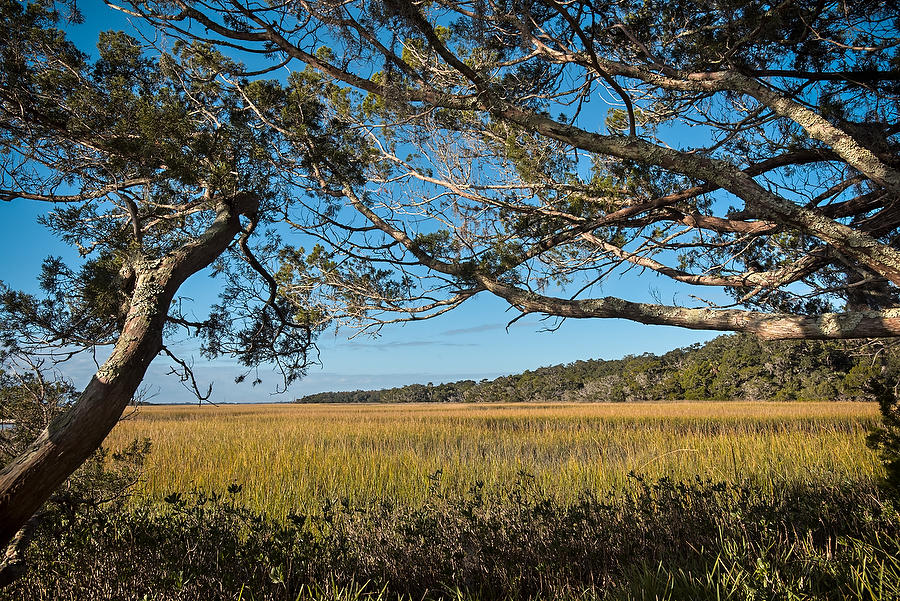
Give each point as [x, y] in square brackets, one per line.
[295, 456]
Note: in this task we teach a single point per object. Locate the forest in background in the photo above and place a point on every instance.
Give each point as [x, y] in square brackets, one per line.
[729, 367]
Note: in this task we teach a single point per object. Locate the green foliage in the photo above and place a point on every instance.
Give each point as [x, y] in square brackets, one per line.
[136, 152]
[663, 539]
[886, 439]
[731, 367]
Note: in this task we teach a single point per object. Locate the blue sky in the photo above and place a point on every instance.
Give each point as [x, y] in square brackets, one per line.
[471, 342]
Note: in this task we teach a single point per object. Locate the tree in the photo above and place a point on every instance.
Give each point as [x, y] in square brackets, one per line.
[154, 170]
[536, 150]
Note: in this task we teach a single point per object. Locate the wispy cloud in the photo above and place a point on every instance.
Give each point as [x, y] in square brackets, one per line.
[430, 343]
[161, 387]
[381, 346]
[485, 327]
[489, 327]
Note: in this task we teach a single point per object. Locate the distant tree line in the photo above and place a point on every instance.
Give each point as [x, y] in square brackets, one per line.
[731, 367]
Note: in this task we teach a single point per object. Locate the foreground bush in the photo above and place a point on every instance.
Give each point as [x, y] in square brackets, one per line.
[659, 540]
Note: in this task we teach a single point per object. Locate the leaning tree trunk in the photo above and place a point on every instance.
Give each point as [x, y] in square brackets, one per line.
[27, 482]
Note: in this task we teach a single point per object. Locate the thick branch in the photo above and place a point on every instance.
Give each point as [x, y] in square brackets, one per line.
[66, 198]
[770, 326]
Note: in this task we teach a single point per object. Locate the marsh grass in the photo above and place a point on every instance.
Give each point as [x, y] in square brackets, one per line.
[593, 502]
[291, 457]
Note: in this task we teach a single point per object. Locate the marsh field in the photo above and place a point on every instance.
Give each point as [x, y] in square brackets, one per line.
[292, 457]
[483, 502]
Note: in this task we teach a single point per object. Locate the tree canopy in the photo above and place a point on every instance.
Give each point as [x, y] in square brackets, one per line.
[155, 169]
[537, 150]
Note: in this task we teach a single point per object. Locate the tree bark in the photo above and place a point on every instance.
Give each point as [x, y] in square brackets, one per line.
[768, 326]
[29, 480]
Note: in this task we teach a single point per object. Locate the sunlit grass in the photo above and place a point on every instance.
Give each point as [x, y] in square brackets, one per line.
[294, 456]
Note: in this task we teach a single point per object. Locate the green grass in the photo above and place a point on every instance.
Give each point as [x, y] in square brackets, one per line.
[290, 457]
